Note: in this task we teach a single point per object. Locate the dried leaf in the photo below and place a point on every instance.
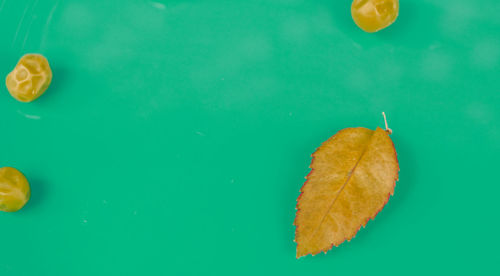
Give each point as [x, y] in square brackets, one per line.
[352, 176]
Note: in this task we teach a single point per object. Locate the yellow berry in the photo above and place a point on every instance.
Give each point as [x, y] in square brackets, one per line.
[374, 15]
[30, 78]
[14, 190]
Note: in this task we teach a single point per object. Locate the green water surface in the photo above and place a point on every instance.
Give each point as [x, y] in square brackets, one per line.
[176, 135]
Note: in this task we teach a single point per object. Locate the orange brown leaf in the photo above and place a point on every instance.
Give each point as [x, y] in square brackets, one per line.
[352, 176]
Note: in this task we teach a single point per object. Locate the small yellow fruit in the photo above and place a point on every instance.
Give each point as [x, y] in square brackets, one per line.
[30, 78]
[374, 15]
[14, 190]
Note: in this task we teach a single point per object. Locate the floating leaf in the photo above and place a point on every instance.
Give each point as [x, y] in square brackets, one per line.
[352, 176]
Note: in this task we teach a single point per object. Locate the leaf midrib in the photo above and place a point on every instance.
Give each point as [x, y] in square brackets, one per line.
[349, 176]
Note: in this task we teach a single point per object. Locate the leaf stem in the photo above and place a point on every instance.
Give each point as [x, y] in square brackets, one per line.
[386, 127]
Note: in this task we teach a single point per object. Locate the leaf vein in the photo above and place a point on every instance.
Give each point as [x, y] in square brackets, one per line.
[349, 176]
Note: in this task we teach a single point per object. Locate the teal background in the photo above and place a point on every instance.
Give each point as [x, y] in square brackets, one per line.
[176, 135]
